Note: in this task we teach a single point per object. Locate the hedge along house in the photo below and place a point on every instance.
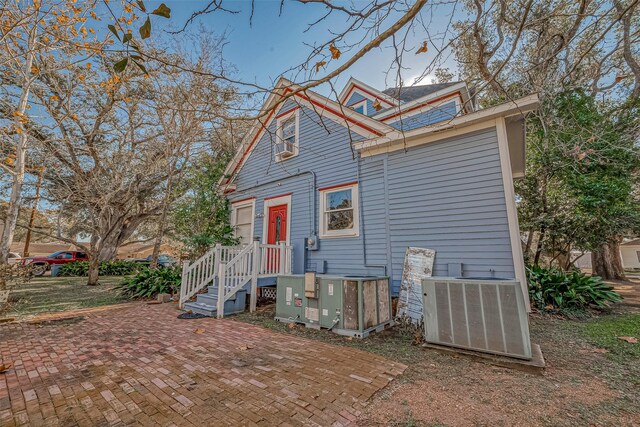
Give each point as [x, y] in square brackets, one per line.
[350, 183]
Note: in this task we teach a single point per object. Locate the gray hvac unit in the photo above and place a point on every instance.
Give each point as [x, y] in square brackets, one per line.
[477, 314]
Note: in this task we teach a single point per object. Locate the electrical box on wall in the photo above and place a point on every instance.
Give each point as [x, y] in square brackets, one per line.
[310, 285]
[312, 243]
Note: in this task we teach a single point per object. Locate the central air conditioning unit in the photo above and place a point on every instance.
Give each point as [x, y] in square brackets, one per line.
[347, 305]
[477, 314]
[285, 150]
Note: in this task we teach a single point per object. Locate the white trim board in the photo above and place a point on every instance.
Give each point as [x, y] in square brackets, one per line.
[282, 200]
[512, 212]
[482, 119]
[426, 139]
[461, 87]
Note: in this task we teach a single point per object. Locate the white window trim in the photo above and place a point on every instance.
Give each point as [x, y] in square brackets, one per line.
[355, 231]
[363, 103]
[281, 200]
[243, 204]
[279, 122]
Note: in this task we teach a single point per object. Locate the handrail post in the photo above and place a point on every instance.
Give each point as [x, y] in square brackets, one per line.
[283, 257]
[183, 283]
[217, 252]
[255, 267]
[221, 290]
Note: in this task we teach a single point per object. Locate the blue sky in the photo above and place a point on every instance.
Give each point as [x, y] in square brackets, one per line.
[275, 42]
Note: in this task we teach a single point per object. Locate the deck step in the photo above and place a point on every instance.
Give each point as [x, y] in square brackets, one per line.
[201, 308]
[207, 304]
[207, 299]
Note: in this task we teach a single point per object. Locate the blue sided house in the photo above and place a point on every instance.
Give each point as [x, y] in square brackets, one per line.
[344, 186]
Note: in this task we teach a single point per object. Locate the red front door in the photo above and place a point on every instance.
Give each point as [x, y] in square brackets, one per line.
[276, 233]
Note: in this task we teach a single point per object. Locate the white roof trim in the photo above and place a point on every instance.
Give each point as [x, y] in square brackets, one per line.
[320, 104]
[518, 106]
[355, 82]
[462, 87]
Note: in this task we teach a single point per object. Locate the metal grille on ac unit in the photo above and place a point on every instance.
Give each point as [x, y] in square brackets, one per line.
[483, 315]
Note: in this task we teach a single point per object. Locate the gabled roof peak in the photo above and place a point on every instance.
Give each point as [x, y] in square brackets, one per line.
[354, 85]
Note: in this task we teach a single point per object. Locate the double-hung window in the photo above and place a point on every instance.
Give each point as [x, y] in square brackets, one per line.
[289, 130]
[242, 214]
[339, 213]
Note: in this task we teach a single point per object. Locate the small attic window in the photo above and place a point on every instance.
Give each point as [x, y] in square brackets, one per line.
[287, 143]
[361, 107]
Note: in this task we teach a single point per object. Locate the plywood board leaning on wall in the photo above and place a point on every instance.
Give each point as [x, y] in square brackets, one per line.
[418, 265]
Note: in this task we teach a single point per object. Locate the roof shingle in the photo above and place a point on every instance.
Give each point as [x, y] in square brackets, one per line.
[409, 93]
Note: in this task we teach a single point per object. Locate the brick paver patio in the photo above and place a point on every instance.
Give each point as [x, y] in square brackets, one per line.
[141, 365]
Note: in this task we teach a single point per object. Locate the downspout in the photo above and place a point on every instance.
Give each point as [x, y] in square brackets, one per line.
[362, 232]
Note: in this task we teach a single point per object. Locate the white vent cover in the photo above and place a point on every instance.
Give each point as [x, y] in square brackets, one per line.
[482, 315]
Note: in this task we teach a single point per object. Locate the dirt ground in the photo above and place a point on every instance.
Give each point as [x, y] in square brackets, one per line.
[592, 378]
[581, 386]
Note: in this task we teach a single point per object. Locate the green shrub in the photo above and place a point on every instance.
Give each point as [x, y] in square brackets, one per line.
[554, 289]
[107, 268]
[148, 283]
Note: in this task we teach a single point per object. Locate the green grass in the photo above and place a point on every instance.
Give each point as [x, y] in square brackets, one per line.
[603, 332]
[55, 294]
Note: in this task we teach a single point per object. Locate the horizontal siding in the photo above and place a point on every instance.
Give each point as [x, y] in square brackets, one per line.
[355, 97]
[374, 212]
[434, 115]
[324, 148]
[449, 196]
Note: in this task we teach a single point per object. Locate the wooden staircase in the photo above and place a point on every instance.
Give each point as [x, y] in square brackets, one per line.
[229, 272]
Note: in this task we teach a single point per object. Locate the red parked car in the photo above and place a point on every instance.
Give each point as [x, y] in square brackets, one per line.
[43, 263]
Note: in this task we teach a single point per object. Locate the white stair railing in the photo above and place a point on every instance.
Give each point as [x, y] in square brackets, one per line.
[199, 274]
[234, 275]
[234, 267]
[253, 261]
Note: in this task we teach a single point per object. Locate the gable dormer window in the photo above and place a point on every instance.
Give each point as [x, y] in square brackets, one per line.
[360, 107]
[287, 135]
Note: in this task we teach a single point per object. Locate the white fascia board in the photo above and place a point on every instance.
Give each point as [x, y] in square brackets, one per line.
[439, 130]
[378, 94]
[442, 92]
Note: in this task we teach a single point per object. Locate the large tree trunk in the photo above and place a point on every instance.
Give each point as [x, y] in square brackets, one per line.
[536, 259]
[94, 271]
[527, 248]
[115, 236]
[21, 156]
[607, 262]
[94, 261]
[163, 219]
[109, 251]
